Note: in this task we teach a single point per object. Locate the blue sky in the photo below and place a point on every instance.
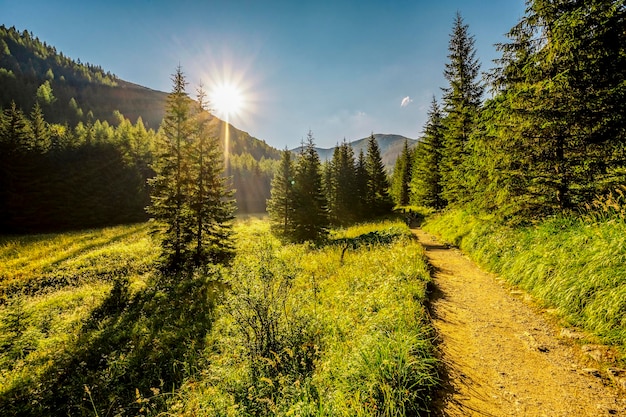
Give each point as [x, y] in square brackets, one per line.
[340, 68]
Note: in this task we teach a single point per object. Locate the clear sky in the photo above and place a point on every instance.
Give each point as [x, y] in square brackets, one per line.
[342, 68]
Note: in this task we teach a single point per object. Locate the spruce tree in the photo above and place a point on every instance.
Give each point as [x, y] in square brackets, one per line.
[281, 205]
[461, 99]
[379, 201]
[558, 127]
[401, 177]
[15, 133]
[171, 181]
[211, 200]
[426, 187]
[360, 186]
[311, 211]
[191, 202]
[39, 130]
[343, 193]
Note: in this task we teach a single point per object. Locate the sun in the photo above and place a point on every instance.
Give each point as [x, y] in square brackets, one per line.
[226, 99]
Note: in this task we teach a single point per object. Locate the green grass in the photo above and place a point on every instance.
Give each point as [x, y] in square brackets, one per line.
[574, 265]
[87, 327]
[81, 310]
[42, 263]
[305, 332]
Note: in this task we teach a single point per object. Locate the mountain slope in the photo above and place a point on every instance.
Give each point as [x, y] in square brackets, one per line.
[89, 165]
[70, 91]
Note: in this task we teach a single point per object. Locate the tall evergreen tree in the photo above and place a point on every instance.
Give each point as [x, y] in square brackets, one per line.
[311, 211]
[342, 196]
[190, 198]
[559, 124]
[379, 201]
[401, 177]
[39, 130]
[171, 181]
[461, 99]
[15, 134]
[211, 199]
[281, 205]
[360, 186]
[426, 187]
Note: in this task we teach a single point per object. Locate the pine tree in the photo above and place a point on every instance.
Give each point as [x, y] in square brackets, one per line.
[558, 126]
[379, 201]
[342, 195]
[426, 187]
[281, 205]
[39, 130]
[15, 134]
[401, 177]
[190, 198]
[171, 182]
[210, 199]
[327, 183]
[311, 211]
[360, 186]
[461, 99]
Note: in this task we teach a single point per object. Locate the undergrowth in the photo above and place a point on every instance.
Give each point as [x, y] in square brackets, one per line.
[304, 332]
[575, 264]
[88, 327]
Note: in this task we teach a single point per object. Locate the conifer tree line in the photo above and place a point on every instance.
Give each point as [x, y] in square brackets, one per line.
[308, 196]
[56, 177]
[550, 138]
[80, 163]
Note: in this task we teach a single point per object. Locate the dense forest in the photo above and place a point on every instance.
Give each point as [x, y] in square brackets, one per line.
[309, 197]
[77, 143]
[551, 137]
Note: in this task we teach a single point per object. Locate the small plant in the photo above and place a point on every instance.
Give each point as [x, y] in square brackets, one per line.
[610, 207]
[278, 339]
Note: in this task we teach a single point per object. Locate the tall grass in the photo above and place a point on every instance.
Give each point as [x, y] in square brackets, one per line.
[87, 327]
[574, 264]
[305, 332]
[38, 263]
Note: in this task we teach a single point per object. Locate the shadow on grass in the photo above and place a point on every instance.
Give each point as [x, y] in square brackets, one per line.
[54, 278]
[131, 352]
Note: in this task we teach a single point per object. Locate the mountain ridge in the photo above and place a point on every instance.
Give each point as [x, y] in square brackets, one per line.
[80, 92]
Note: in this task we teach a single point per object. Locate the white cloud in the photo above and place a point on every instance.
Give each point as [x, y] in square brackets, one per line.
[406, 101]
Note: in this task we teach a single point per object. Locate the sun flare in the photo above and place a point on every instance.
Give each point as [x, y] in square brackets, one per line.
[226, 100]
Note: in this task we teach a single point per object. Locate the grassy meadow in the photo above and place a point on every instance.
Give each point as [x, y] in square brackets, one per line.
[574, 264]
[87, 327]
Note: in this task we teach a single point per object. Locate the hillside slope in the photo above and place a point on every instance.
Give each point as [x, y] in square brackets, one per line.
[70, 91]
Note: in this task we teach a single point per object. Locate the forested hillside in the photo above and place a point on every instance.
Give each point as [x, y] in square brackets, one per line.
[68, 91]
[76, 142]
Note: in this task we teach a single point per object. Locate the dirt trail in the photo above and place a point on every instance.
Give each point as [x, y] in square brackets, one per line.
[502, 356]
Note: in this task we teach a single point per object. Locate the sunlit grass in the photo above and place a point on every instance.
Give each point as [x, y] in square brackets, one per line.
[87, 325]
[354, 325]
[50, 287]
[31, 264]
[35, 331]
